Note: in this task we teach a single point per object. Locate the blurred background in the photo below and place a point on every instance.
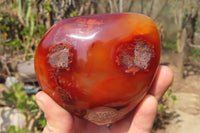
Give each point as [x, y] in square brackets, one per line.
[24, 22]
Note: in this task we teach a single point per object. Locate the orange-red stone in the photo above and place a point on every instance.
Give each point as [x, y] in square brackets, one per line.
[99, 67]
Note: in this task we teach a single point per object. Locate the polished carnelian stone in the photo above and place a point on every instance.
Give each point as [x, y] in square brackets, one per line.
[99, 67]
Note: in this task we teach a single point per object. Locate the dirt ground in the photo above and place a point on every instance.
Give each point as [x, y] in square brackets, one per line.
[186, 109]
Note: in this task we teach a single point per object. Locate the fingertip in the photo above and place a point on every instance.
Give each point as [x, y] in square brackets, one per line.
[49, 105]
[39, 98]
[167, 72]
[58, 119]
[38, 95]
[162, 81]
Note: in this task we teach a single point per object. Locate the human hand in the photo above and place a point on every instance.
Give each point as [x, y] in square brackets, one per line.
[139, 120]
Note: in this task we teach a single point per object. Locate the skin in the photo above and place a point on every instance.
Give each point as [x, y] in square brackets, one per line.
[139, 120]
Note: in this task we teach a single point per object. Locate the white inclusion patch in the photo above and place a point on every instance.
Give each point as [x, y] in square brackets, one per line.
[60, 58]
[143, 53]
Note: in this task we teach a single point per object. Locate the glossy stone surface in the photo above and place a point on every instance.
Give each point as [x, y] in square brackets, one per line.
[99, 67]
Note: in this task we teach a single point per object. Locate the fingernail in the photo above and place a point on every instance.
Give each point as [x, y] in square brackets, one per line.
[40, 104]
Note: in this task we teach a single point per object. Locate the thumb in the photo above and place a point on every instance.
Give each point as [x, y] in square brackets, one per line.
[58, 119]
